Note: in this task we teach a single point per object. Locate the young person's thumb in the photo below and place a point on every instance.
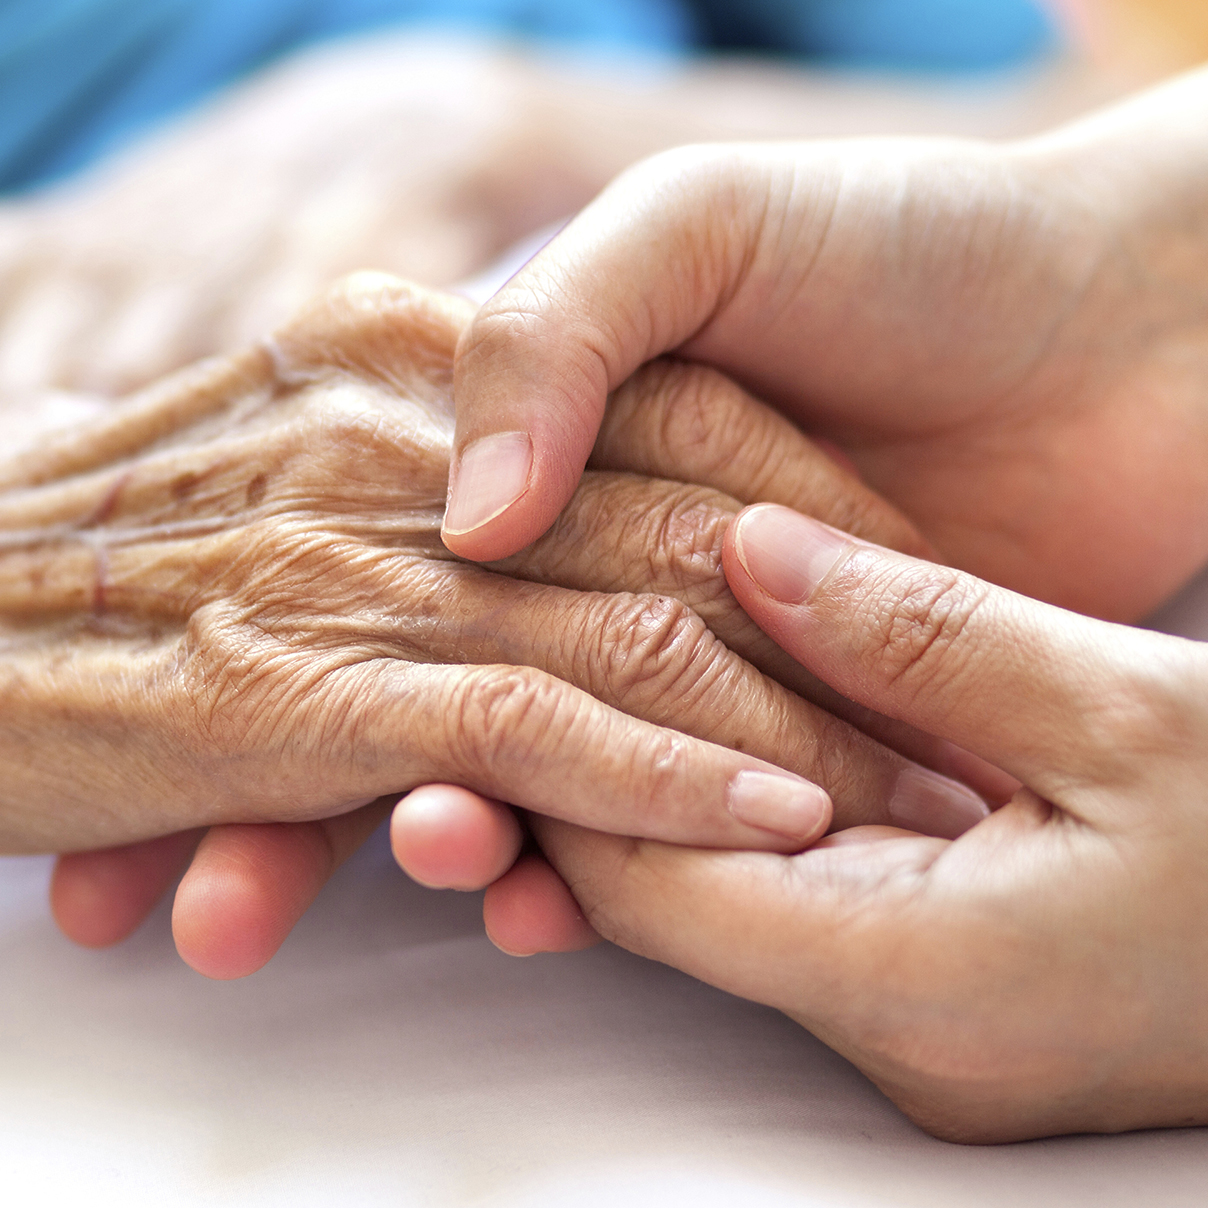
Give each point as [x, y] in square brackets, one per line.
[635, 275]
[1038, 691]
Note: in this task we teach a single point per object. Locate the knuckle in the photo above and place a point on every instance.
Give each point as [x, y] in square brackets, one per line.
[915, 617]
[706, 416]
[659, 537]
[672, 414]
[353, 324]
[688, 531]
[655, 646]
[501, 716]
[661, 772]
[360, 306]
[692, 530]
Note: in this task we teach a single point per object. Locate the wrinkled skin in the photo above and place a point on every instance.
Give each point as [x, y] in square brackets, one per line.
[227, 601]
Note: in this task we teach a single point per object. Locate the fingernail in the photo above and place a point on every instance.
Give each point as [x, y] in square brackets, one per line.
[787, 554]
[507, 951]
[932, 804]
[784, 804]
[492, 473]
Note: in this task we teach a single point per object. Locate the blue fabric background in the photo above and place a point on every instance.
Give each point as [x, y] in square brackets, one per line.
[78, 77]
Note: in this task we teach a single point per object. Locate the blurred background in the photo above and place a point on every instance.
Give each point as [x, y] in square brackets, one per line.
[79, 77]
[176, 176]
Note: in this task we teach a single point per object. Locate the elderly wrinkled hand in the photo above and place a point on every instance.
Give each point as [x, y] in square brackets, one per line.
[231, 596]
[227, 602]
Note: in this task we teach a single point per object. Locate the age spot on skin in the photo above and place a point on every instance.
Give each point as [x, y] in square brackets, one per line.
[256, 489]
[184, 486]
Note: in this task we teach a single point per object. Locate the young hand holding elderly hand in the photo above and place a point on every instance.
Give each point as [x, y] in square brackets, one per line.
[227, 602]
[1045, 972]
[1009, 341]
[1013, 345]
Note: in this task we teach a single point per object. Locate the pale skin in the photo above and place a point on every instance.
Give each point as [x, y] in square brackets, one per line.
[1016, 355]
[225, 601]
[1011, 344]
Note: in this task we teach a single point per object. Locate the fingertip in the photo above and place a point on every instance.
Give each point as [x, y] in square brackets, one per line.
[500, 537]
[786, 555]
[243, 893]
[530, 389]
[99, 898]
[447, 837]
[790, 807]
[488, 479]
[931, 804]
[530, 909]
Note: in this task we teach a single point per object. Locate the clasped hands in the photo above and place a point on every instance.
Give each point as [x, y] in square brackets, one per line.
[1037, 973]
[227, 600]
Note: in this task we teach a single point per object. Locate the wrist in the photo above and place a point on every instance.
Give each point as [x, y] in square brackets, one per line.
[1138, 170]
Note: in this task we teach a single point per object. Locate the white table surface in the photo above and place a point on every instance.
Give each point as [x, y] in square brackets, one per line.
[390, 1056]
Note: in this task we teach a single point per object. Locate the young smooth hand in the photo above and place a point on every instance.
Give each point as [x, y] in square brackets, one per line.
[1047, 971]
[1009, 341]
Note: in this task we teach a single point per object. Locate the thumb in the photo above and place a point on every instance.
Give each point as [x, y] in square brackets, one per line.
[637, 273]
[1049, 696]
